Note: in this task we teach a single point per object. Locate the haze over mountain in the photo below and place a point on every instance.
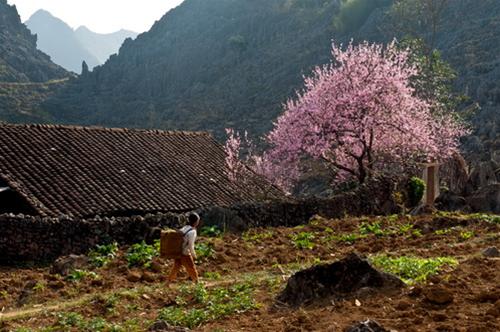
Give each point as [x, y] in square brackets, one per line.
[20, 61]
[68, 47]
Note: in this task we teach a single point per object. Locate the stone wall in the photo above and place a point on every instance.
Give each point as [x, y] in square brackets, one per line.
[27, 238]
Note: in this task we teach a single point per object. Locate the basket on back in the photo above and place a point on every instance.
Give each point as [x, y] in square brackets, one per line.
[171, 243]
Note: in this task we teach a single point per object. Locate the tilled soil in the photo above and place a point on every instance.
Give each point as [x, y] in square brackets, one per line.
[463, 299]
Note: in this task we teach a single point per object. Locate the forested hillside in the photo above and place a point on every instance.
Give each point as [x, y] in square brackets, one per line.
[20, 61]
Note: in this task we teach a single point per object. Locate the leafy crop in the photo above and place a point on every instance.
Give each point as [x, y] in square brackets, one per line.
[200, 305]
[412, 269]
[373, 228]
[250, 236]
[103, 254]
[303, 240]
[78, 275]
[204, 251]
[210, 231]
[141, 254]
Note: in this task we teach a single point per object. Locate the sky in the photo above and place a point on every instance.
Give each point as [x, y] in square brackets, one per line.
[103, 16]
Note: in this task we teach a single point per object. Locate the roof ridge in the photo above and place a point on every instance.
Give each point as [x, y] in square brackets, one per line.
[105, 129]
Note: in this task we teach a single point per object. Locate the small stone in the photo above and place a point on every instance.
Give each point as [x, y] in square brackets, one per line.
[148, 276]
[491, 252]
[134, 276]
[438, 295]
[157, 267]
[366, 326]
[56, 284]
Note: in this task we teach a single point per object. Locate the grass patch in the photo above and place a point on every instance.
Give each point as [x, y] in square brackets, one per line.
[198, 305]
[412, 269]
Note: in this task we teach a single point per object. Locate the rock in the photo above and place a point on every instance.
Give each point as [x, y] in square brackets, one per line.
[482, 175]
[148, 276]
[341, 279]
[486, 199]
[438, 295]
[157, 267]
[366, 326]
[64, 265]
[134, 276]
[26, 293]
[162, 326]
[56, 284]
[491, 252]
[449, 201]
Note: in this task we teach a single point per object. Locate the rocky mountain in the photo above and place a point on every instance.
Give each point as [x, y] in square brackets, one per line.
[20, 61]
[208, 65]
[58, 39]
[102, 45]
[68, 47]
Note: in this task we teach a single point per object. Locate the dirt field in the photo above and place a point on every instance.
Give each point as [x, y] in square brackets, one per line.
[242, 274]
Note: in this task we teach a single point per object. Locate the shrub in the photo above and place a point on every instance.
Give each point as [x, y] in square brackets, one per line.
[416, 188]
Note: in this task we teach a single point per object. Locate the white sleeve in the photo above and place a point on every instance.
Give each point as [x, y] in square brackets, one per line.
[191, 238]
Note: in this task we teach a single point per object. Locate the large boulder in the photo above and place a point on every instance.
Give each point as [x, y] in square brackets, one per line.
[346, 278]
[483, 174]
[486, 199]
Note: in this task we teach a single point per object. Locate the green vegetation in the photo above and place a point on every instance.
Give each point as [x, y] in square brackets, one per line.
[372, 228]
[251, 236]
[78, 275]
[466, 235]
[303, 240]
[204, 251]
[416, 188]
[103, 254]
[198, 305]
[412, 269]
[210, 231]
[354, 13]
[141, 254]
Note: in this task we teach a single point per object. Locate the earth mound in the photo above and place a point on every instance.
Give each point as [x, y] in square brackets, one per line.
[345, 278]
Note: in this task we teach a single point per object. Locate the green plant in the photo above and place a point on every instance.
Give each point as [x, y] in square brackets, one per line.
[210, 231]
[141, 254]
[443, 231]
[250, 236]
[416, 233]
[210, 304]
[78, 275]
[416, 188]
[466, 235]
[492, 218]
[303, 240]
[103, 254]
[349, 238]
[212, 275]
[204, 251]
[69, 319]
[404, 229]
[4, 294]
[39, 287]
[373, 228]
[412, 269]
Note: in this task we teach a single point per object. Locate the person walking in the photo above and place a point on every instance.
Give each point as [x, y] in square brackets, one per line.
[188, 253]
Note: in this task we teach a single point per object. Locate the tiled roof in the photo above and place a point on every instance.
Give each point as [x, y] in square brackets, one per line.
[85, 171]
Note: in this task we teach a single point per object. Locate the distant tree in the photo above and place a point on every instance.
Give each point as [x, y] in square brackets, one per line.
[361, 115]
[353, 13]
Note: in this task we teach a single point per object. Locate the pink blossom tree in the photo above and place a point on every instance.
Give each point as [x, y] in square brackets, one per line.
[360, 114]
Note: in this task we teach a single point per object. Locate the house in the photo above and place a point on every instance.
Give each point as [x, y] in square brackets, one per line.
[50, 170]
